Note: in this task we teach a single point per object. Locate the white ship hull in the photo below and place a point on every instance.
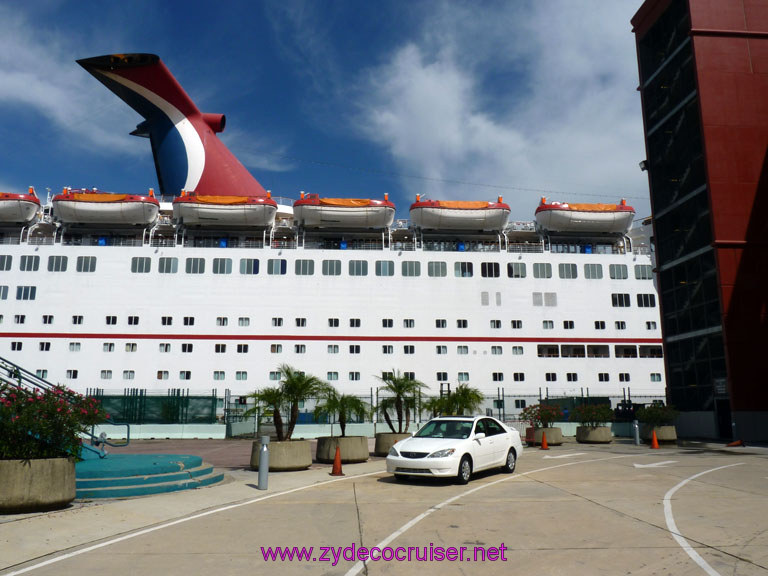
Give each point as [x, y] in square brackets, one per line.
[133, 213]
[428, 218]
[344, 217]
[224, 216]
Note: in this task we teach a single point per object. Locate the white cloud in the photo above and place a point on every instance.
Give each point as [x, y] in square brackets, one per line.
[258, 153]
[571, 123]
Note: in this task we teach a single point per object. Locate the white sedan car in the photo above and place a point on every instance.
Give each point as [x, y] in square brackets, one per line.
[456, 446]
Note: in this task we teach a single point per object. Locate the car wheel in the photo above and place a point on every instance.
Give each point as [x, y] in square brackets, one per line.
[511, 462]
[465, 470]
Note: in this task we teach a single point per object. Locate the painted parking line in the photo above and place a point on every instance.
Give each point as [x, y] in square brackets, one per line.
[672, 527]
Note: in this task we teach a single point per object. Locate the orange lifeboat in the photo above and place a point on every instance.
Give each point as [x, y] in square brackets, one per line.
[311, 211]
[459, 215]
[83, 206]
[593, 218]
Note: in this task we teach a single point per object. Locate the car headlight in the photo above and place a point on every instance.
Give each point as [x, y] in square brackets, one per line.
[442, 453]
[393, 452]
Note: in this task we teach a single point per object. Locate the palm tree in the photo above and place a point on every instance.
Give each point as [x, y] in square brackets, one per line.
[297, 387]
[403, 393]
[463, 399]
[345, 405]
[271, 398]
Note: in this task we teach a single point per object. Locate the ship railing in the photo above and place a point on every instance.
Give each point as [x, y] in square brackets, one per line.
[159, 242]
[40, 240]
[525, 247]
[642, 250]
[284, 244]
[10, 240]
[283, 201]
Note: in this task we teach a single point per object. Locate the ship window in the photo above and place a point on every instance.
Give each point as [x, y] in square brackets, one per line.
[86, 264]
[517, 350]
[26, 292]
[276, 348]
[222, 321]
[131, 346]
[3, 292]
[409, 323]
[111, 320]
[462, 269]
[547, 324]
[599, 324]
[185, 375]
[189, 320]
[516, 269]
[485, 299]
[387, 349]
[462, 350]
[462, 323]
[623, 351]
[441, 349]
[550, 377]
[643, 272]
[301, 322]
[623, 376]
[354, 348]
[463, 377]
[29, 263]
[19, 319]
[651, 352]
[604, 377]
[542, 270]
[74, 346]
[333, 348]
[489, 270]
[331, 267]
[166, 265]
[71, 374]
[497, 350]
[411, 268]
[620, 325]
[220, 348]
[650, 325]
[497, 376]
[354, 376]
[567, 271]
[332, 376]
[538, 299]
[166, 320]
[77, 320]
[162, 374]
[106, 374]
[593, 271]
[333, 322]
[5, 262]
[441, 323]
[128, 374]
[108, 347]
[139, 264]
[243, 321]
[572, 351]
[409, 349]
[495, 324]
[618, 271]
[300, 348]
[16, 346]
[242, 348]
[249, 266]
[187, 348]
[358, 268]
[548, 351]
[517, 324]
[133, 320]
[572, 376]
[45, 346]
[304, 267]
[437, 269]
[47, 318]
[164, 347]
[387, 323]
[568, 324]
[277, 266]
[385, 268]
[441, 376]
[195, 265]
[518, 377]
[241, 375]
[646, 300]
[655, 377]
[275, 376]
[354, 322]
[218, 375]
[620, 300]
[277, 322]
[57, 263]
[222, 265]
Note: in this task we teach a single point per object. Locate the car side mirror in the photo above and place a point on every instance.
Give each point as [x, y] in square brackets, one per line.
[479, 435]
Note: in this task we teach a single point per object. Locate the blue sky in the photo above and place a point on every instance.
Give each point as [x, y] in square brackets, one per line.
[455, 100]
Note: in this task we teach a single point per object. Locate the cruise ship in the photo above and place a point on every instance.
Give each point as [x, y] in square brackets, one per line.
[212, 283]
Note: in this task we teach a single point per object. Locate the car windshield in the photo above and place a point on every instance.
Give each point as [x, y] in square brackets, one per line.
[445, 429]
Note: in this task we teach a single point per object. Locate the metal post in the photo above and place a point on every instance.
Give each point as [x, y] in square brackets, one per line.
[636, 428]
[264, 463]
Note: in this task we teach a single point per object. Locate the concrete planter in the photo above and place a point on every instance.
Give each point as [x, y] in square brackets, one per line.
[352, 448]
[593, 435]
[554, 436]
[663, 433]
[284, 456]
[385, 441]
[36, 485]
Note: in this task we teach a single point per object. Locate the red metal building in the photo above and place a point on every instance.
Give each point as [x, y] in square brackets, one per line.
[704, 84]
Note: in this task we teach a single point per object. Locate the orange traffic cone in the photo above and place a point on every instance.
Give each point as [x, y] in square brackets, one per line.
[735, 443]
[336, 471]
[654, 440]
[544, 445]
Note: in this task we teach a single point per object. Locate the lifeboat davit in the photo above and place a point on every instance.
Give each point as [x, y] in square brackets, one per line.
[193, 209]
[599, 218]
[83, 206]
[459, 214]
[311, 211]
[18, 208]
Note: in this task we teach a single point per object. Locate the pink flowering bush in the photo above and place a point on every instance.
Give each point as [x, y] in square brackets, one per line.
[44, 424]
